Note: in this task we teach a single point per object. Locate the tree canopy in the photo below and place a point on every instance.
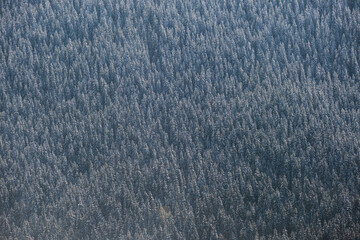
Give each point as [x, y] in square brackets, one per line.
[175, 119]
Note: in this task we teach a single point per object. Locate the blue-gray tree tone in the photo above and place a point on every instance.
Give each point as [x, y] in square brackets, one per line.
[179, 119]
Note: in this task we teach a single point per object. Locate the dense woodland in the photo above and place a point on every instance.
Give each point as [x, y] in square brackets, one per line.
[179, 119]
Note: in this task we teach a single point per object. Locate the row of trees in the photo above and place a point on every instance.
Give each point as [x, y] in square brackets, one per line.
[179, 119]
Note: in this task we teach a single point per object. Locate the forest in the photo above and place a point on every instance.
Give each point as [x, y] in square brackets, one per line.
[179, 119]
